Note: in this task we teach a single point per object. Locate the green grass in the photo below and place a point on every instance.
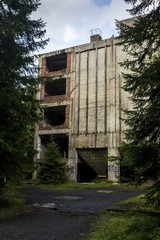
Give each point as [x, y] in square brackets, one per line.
[12, 202]
[137, 203]
[120, 226]
[129, 225]
[72, 185]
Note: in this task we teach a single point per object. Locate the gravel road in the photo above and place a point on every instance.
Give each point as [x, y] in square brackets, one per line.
[60, 215]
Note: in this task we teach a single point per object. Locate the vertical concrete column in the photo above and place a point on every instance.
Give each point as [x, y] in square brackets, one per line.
[87, 92]
[37, 147]
[105, 89]
[113, 126]
[113, 167]
[72, 164]
[71, 168]
[79, 78]
[96, 94]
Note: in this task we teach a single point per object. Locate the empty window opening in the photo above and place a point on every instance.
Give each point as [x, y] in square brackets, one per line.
[44, 141]
[60, 139]
[54, 116]
[57, 87]
[57, 62]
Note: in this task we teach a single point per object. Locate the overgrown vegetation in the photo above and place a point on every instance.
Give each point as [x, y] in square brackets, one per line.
[141, 42]
[20, 37]
[113, 226]
[138, 203]
[52, 170]
[130, 219]
[12, 202]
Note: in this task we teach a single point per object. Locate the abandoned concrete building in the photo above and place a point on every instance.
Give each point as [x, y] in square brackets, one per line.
[83, 106]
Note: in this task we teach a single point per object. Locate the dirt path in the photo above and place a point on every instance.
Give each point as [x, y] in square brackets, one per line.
[65, 215]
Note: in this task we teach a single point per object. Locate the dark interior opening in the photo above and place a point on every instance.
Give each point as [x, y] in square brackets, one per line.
[54, 116]
[60, 139]
[85, 172]
[57, 87]
[91, 164]
[57, 62]
[127, 174]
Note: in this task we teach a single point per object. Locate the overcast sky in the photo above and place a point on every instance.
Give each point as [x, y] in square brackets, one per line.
[68, 22]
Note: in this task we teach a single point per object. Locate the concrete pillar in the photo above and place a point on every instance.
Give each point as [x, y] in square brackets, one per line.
[113, 167]
[72, 164]
[37, 147]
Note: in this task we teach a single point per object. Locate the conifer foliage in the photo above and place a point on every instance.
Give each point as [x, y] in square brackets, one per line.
[20, 37]
[52, 169]
[142, 42]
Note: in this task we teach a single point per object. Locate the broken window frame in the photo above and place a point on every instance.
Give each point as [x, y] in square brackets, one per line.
[58, 111]
[56, 62]
[57, 87]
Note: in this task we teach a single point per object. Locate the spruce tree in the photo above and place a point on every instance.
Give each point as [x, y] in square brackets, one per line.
[20, 37]
[142, 42]
[52, 169]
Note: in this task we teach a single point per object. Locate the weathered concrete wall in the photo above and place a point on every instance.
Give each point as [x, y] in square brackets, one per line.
[98, 99]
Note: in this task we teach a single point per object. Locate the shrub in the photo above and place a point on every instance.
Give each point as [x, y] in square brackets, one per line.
[52, 170]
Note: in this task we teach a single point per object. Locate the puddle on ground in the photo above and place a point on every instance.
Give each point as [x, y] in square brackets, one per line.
[104, 191]
[68, 198]
[46, 205]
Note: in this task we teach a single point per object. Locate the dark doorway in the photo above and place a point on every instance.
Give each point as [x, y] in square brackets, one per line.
[85, 172]
[91, 163]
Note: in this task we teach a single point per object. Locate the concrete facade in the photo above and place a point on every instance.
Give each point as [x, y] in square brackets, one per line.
[86, 115]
